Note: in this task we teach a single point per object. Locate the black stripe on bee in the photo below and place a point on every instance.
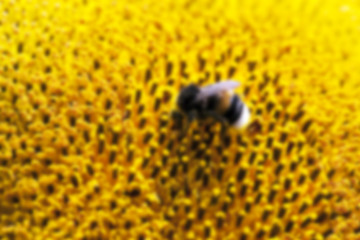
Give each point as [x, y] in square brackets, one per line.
[235, 110]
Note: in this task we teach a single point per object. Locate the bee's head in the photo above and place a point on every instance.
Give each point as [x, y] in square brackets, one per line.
[187, 98]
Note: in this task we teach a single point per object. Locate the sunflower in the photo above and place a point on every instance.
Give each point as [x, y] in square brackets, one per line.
[89, 150]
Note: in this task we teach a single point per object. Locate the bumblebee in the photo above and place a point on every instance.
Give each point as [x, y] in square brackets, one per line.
[217, 101]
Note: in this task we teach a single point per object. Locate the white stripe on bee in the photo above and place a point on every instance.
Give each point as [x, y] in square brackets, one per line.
[244, 119]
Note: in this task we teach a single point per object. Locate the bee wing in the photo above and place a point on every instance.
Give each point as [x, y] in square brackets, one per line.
[216, 88]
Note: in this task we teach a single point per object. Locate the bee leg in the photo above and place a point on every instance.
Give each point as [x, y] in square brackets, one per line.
[190, 117]
[177, 117]
[218, 118]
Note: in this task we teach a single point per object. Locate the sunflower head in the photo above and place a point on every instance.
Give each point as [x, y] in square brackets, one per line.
[89, 148]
